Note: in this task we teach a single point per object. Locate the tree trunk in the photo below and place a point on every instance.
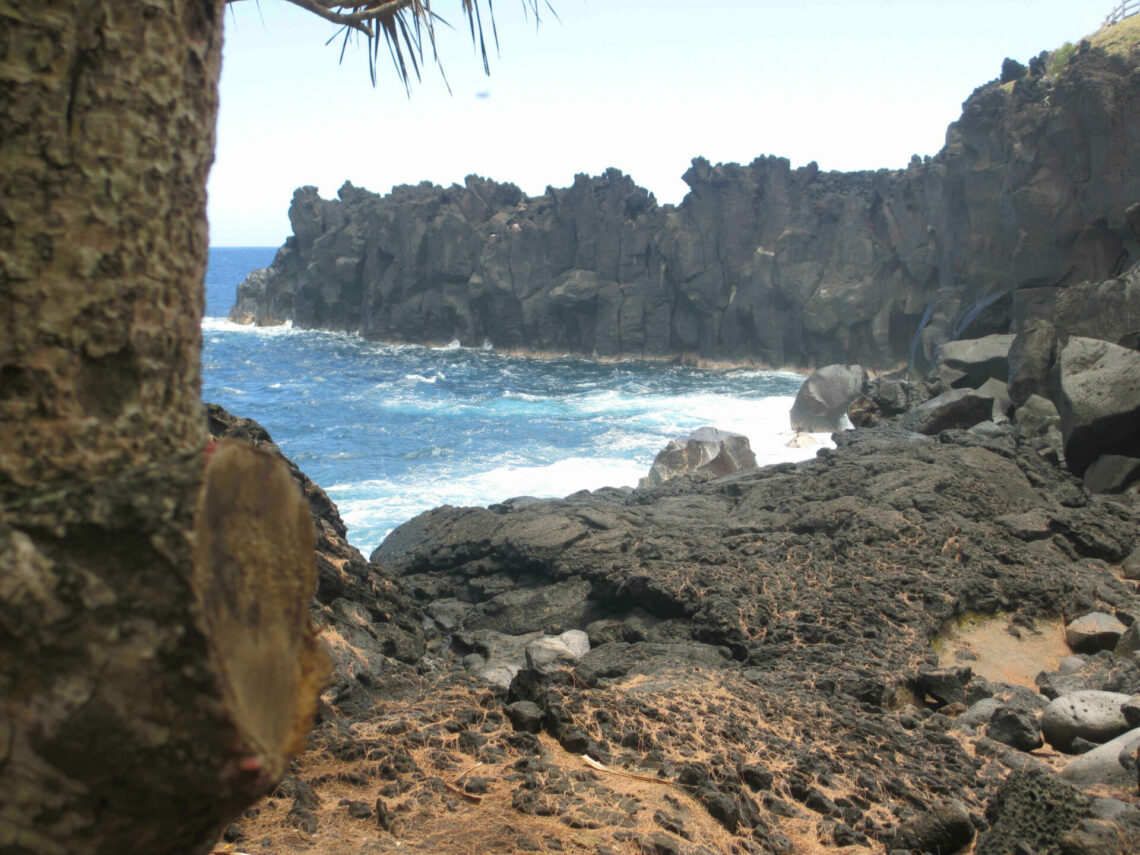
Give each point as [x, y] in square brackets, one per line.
[156, 661]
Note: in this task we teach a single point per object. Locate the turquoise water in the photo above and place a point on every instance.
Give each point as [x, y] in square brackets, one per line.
[393, 430]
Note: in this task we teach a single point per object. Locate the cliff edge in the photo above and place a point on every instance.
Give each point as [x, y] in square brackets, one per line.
[761, 263]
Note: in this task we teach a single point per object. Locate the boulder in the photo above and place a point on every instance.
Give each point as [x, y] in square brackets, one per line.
[1071, 664]
[707, 449]
[557, 651]
[945, 685]
[1093, 632]
[824, 397]
[1131, 565]
[862, 412]
[998, 391]
[1129, 643]
[1095, 716]
[968, 363]
[525, 716]
[1015, 728]
[1108, 310]
[979, 713]
[1103, 765]
[1031, 358]
[945, 827]
[1099, 401]
[1038, 416]
[1030, 811]
[1112, 473]
[958, 408]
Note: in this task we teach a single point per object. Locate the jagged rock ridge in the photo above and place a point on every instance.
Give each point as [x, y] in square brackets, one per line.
[782, 266]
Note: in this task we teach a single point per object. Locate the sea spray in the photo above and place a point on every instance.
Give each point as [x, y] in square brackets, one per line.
[391, 431]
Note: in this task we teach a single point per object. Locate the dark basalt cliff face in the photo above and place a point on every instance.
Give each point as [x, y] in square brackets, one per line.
[763, 262]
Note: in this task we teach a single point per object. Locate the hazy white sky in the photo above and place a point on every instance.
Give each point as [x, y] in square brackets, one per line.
[643, 86]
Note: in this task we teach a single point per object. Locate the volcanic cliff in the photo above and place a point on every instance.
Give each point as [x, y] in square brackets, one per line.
[763, 263]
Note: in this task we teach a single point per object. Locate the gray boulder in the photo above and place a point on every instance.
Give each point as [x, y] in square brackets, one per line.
[958, 408]
[1108, 310]
[1103, 765]
[998, 391]
[968, 363]
[1129, 643]
[1031, 358]
[707, 449]
[557, 651]
[1131, 564]
[1072, 664]
[1093, 632]
[1038, 416]
[824, 397]
[1015, 728]
[979, 713]
[1091, 715]
[1099, 401]
[1112, 473]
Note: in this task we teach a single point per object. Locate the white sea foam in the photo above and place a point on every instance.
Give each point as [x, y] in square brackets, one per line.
[365, 505]
[210, 325]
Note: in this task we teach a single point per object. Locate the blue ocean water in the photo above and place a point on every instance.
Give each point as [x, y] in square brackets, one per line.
[393, 430]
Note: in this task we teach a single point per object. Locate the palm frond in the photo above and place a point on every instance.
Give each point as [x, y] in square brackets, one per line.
[402, 24]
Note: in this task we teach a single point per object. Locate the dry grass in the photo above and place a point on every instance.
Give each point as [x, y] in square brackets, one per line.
[682, 716]
[1120, 38]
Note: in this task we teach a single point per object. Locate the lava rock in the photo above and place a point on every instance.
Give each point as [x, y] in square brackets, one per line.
[1091, 715]
[1112, 473]
[707, 449]
[968, 363]
[1131, 565]
[1093, 632]
[1128, 645]
[557, 651]
[1106, 764]
[1130, 709]
[946, 685]
[1099, 401]
[1031, 810]
[1031, 358]
[824, 397]
[1016, 729]
[525, 716]
[946, 827]
[958, 408]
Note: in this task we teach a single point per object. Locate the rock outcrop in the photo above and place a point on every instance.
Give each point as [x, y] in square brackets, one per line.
[762, 262]
[708, 450]
[822, 401]
[1099, 401]
[638, 665]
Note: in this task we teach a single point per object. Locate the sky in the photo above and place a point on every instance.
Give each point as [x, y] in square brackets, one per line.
[638, 85]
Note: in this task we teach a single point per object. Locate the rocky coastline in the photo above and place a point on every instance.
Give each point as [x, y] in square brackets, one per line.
[923, 640]
[926, 639]
[1028, 208]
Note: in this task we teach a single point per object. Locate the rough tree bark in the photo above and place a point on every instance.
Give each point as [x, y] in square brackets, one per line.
[156, 661]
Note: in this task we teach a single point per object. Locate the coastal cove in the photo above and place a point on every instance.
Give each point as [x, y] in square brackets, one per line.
[799, 516]
[391, 431]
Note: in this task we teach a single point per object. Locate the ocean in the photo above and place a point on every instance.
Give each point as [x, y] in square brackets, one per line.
[390, 431]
